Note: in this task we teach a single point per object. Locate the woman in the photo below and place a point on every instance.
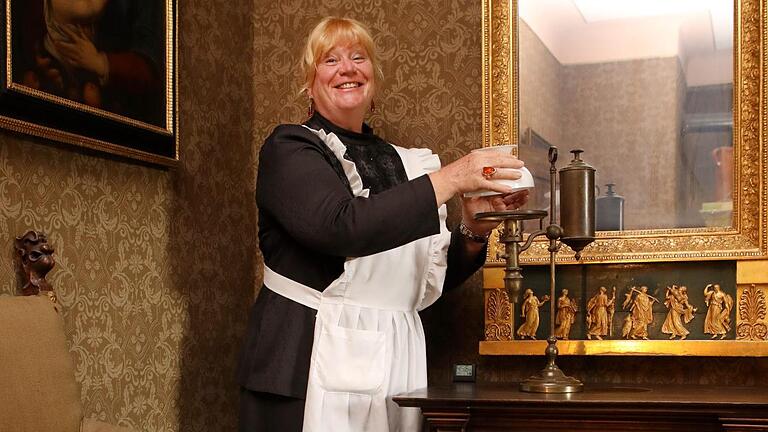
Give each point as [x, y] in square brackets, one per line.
[641, 311]
[600, 314]
[353, 234]
[530, 313]
[566, 313]
[717, 322]
[673, 324]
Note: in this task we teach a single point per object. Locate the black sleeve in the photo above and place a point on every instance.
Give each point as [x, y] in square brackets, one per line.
[299, 187]
[461, 266]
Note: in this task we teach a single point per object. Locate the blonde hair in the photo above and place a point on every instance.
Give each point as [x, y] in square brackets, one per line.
[331, 32]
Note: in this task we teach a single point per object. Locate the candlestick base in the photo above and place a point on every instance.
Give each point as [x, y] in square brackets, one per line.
[551, 379]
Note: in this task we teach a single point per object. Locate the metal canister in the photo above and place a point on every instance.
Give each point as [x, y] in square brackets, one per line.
[577, 203]
[610, 210]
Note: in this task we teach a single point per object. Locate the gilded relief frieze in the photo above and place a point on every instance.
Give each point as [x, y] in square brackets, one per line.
[636, 309]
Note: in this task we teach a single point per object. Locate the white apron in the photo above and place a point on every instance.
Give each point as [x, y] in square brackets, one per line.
[369, 341]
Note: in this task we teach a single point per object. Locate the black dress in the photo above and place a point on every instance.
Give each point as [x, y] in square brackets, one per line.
[309, 222]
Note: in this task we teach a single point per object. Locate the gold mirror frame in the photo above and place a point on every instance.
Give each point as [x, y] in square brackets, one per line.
[744, 242]
[746, 239]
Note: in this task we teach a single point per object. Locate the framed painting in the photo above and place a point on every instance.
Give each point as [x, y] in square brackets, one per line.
[100, 74]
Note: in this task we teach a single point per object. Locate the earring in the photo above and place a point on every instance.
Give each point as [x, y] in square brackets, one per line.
[373, 106]
[311, 109]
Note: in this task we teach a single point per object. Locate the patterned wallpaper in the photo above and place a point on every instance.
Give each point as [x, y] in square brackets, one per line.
[430, 55]
[109, 223]
[156, 269]
[212, 237]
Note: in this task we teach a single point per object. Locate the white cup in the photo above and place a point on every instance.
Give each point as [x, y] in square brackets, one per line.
[524, 182]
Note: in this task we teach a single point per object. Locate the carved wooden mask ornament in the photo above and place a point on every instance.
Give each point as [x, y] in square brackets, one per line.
[36, 260]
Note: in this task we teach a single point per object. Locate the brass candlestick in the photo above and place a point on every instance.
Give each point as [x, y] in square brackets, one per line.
[577, 216]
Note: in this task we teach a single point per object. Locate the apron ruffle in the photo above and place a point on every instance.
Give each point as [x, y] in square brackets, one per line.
[420, 161]
[350, 170]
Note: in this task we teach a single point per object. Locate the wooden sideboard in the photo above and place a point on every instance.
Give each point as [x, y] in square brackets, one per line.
[467, 407]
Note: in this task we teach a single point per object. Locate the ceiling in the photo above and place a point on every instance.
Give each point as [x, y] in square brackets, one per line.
[592, 31]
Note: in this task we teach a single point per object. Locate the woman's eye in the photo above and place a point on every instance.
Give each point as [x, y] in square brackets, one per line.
[330, 61]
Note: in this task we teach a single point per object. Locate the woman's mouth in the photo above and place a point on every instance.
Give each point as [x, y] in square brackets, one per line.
[349, 85]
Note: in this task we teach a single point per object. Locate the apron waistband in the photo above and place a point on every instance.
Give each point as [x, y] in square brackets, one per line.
[291, 289]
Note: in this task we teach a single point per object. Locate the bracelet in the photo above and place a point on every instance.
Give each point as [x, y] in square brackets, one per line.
[466, 232]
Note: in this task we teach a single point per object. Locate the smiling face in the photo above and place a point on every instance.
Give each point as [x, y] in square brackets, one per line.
[340, 71]
[343, 86]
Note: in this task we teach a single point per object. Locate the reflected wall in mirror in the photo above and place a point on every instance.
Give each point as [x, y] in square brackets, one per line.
[669, 109]
[646, 89]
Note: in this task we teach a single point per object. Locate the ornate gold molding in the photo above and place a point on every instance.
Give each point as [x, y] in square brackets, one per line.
[500, 87]
[630, 348]
[499, 319]
[745, 240]
[750, 314]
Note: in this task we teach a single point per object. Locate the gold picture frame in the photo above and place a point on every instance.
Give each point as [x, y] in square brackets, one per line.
[107, 84]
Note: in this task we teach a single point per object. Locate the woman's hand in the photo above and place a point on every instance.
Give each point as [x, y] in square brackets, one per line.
[81, 52]
[466, 175]
[474, 205]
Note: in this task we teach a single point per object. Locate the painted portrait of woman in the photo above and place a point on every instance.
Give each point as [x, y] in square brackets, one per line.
[104, 55]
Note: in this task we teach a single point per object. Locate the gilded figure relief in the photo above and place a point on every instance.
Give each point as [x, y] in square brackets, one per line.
[600, 311]
[530, 313]
[719, 304]
[680, 312]
[566, 312]
[640, 306]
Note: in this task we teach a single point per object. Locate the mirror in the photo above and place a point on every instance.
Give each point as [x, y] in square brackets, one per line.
[666, 103]
[645, 88]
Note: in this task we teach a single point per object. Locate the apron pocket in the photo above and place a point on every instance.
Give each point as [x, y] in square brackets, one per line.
[350, 360]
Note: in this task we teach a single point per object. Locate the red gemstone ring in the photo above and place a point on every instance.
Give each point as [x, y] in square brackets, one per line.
[488, 172]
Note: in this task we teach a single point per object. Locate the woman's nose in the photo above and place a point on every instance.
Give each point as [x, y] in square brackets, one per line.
[347, 66]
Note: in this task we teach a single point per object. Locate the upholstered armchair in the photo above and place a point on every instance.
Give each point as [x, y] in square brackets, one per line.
[38, 391]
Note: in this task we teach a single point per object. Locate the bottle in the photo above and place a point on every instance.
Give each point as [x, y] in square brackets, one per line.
[610, 210]
[723, 157]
